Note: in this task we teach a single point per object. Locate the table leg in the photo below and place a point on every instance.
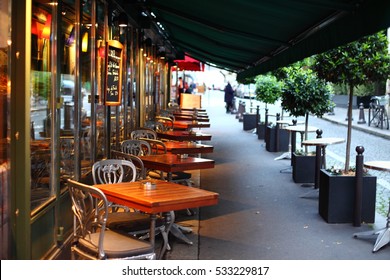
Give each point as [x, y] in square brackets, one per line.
[317, 171]
[383, 235]
[177, 230]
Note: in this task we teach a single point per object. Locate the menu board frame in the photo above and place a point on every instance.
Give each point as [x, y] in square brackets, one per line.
[113, 73]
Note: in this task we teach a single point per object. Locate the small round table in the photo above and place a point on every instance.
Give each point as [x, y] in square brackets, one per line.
[384, 233]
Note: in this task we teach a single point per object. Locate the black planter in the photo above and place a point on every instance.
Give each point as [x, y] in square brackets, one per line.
[303, 168]
[337, 198]
[261, 131]
[249, 121]
[270, 140]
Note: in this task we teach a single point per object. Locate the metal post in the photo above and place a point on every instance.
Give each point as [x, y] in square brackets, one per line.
[359, 187]
[361, 114]
[257, 117]
[277, 133]
[265, 125]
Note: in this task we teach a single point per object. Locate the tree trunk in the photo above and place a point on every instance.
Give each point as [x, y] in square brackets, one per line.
[349, 115]
[306, 129]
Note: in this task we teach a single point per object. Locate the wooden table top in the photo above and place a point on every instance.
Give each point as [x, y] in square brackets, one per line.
[188, 148]
[189, 124]
[167, 196]
[189, 118]
[323, 141]
[178, 135]
[380, 165]
[175, 163]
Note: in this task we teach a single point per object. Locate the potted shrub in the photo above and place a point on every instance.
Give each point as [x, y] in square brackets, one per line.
[303, 166]
[304, 94]
[268, 91]
[276, 140]
[354, 64]
[337, 196]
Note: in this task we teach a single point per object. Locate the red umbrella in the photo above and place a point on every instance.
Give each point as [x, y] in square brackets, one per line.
[189, 64]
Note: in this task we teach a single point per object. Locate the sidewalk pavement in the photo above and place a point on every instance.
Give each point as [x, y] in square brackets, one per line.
[339, 116]
[261, 214]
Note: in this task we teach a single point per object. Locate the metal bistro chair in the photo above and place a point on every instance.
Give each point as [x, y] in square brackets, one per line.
[155, 125]
[92, 240]
[120, 218]
[166, 121]
[136, 147]
[143, 133]
[158, 147]
[139, 165]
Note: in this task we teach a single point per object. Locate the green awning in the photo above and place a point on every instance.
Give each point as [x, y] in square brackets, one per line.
[252, 37]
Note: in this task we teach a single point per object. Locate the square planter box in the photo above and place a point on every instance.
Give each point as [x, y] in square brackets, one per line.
[270, 140]
[303, 168]
[249, 121]
[337, 198]
[261, 131]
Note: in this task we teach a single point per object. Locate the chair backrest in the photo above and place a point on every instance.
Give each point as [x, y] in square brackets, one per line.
[90, 209]
[167, 113]
[166, 121]
[111, 171]
[143, 133]
[155, 125]
[141, 173]
[157, 146]
[136, 147]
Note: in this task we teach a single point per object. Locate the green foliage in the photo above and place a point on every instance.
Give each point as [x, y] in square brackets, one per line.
[357, 63]
[304, 93]
[268, 89]
[354, 64]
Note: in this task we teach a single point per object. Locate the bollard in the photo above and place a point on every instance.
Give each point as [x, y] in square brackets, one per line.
[347, 117]
[321, 150]
[331, 112]
[357, 214]
[265, 124]
[361, 114]
[277, 132]
[257, 117]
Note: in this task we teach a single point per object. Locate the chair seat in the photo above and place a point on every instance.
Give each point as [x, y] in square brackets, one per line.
[116, 245]
[129, 222]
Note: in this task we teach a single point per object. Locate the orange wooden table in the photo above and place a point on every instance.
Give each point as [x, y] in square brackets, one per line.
[166, 197]
[180, 135]
[189, 124]
[187, 148]
[173, 163]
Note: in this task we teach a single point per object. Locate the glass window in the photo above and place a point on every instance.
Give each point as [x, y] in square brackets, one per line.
[4, 129]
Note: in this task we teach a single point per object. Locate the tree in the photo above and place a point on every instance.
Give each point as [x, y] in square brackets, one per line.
[359, 62]
[304, 93]
[268, 89]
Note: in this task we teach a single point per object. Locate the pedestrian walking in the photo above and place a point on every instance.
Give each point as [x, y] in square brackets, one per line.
[229, 95]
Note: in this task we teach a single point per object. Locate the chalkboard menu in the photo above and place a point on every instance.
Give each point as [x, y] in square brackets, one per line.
[113, 79]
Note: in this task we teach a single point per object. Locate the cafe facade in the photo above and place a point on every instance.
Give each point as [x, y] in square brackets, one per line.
[75, 78]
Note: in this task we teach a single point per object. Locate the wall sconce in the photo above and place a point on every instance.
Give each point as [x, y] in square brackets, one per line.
[84, 42]
[122, 20]
[45, 32]
[162, 55]
[102, 50]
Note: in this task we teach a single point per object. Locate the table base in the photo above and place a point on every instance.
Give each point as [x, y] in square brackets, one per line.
[382, 239]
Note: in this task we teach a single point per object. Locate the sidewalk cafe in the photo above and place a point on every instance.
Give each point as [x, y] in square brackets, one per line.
[78, 77]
